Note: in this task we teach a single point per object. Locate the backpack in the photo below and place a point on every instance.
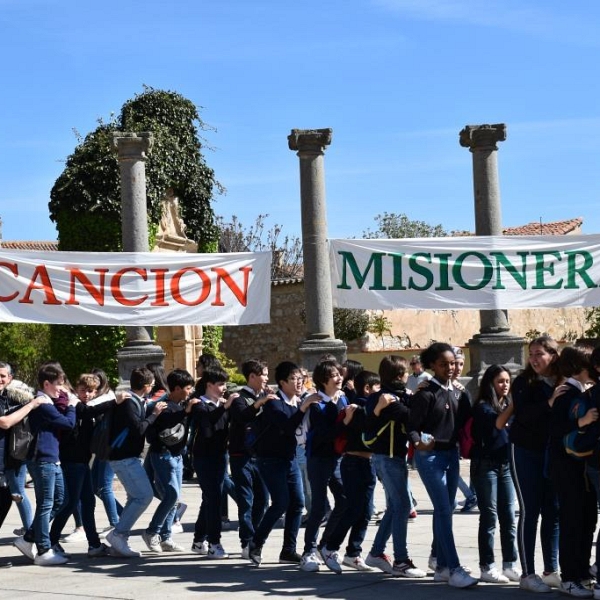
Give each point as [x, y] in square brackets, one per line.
[21, 440]
[100, 443]
[368, 442]
[465, 438]
[580, 443]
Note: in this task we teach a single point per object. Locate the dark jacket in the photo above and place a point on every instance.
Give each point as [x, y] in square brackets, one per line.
[242, 412]
[321, 432]
[397, 412]
[562, 422]
[211, 423]
[172, 415]
[488, 441]
[48, 423]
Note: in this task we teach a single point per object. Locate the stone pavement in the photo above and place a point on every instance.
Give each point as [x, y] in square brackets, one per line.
[183, 575]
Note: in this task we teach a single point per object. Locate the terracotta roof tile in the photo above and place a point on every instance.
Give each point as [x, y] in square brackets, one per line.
[554, 228]
[20, 245]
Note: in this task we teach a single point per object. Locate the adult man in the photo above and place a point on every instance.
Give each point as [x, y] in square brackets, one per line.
[129, 425]
[418, 374]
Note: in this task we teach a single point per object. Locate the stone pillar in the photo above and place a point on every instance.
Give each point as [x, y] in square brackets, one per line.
[494, 343]
[132, 150]
[310, 146]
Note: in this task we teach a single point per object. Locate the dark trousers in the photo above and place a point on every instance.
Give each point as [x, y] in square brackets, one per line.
[577, 515]
[358, 479]
[5, 502]
[211, 473]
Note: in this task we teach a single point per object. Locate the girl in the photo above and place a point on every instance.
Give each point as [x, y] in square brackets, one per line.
[437, 412]
[529, 432]
[490, 474]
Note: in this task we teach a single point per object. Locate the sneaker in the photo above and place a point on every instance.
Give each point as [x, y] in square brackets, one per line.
[459, 578]
[177, 527]
[412, 516]
[102, 533]
[469, 505]
[49, 559]
[596, 591]
[534, 583]
[552, 579]
[119, 546]
[200, 548]
[331, 560]
[29, 549]
[246, 552]
[181, 508]
[309, 562]
[20, 532]
[77, 535]
[432, 563]
[512, 573]
[58, 549]
[289, 557]
[441, 575]
[382, 562]
[406, 568]
[574, 588]
[492, 575]
[216, 552]
[356, 562]
[255, 555]
[99, 551]
[169, 545]
[152, 540]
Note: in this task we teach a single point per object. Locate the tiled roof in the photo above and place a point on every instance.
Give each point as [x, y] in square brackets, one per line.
[44, 246]
[554, 228]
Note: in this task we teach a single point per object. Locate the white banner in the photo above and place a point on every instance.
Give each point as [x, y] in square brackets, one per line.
[135, 288]
[487, 272]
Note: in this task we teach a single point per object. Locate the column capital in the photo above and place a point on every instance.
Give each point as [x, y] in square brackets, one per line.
[312, 140]
[482, 137]
[131, 145]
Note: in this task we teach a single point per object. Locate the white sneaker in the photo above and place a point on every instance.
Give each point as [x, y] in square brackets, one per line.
[216, 552]
[309, 562]
[356, 562]
[512, 573]
[406, 568]
[534, 583]
[382, 562]
[574, 588]
[119, 546]
[29, 549]
[552, 579]
[441, 575]
[49, 559]
[459, 578]
[432, 562]
[492, 575]
[177, 527]
[200, 548]
[77, 535]
[152, 540]
[331, 559]
[169, 545]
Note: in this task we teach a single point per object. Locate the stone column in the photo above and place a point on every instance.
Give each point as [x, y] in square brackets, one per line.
[494, 343]
[310, 146]
[132, 150]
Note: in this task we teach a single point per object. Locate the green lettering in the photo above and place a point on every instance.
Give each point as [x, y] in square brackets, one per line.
[488, 271]
[541, 268]
[444, 283]
[397, 271]
[420, 270]
[573, 269]
[360, 278]
[519, 277]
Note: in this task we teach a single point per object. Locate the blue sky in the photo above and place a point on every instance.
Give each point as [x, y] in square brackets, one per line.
[396, 80]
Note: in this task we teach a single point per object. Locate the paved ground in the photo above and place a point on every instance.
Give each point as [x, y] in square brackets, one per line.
[183, 575]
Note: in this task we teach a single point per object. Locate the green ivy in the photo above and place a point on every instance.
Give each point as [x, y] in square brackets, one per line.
[25, 346]
[85, 203]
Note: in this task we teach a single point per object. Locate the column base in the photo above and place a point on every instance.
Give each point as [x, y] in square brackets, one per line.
[136, 354]
[312, 349]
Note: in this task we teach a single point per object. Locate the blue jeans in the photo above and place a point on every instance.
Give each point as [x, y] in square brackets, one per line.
[439, 472]
[284, 483]
[393, 473]
[78, 487]
[102, 478]
[496, 501]
[133, 478]
[16, 482]
[536, 497]
[358, 479]
[49, 495]
[211, 474]
[251, 493]
[322, 475]
[168, 478]
[301, 458]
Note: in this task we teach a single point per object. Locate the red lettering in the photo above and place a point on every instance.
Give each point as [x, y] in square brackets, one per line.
[45, 286]
[160, 287]
[115, 286]
[222, 274]
[176, 292]
[12, 267]
[95, 293]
